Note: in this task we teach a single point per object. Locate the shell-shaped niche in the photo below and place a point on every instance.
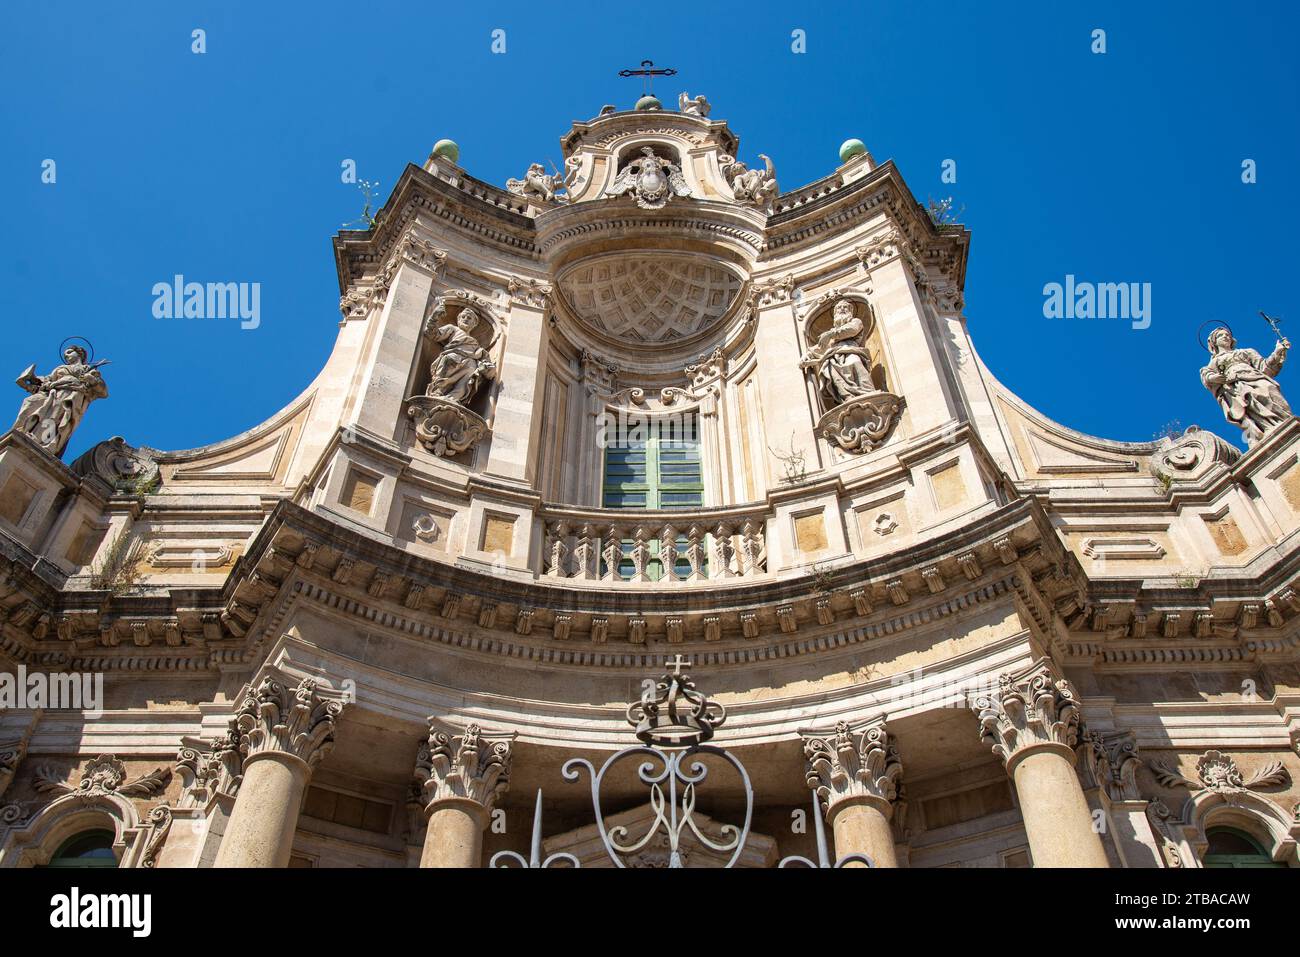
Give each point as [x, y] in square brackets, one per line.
[650, 298]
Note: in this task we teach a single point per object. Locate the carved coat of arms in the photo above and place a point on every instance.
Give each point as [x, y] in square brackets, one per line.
[651, 179]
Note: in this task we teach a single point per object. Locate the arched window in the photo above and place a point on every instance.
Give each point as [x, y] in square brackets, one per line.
[1229, 847]
[87, 849]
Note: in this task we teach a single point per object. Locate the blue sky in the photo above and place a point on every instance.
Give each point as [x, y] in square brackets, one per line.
[1122, 167]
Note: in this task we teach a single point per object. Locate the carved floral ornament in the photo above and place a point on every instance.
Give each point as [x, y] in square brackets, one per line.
[470, 765]
[1112, 760]
[1217, 772]
[274, 717]
[103, 789]
[207, 770]
[852, 763]
[1030, 708]
[103, 775]
[357, 302]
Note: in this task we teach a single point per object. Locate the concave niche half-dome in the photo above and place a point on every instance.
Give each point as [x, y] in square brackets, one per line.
[650, 298]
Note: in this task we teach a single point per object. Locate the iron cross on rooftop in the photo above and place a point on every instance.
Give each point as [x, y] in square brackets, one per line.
[647, 74]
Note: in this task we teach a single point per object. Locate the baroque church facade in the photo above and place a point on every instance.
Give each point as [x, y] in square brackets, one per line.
[646, 453]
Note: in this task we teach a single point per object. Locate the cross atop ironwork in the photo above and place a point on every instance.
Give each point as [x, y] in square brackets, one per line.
[677, 664]
[647, 74]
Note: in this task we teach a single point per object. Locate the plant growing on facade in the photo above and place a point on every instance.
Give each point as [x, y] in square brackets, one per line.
[793, 467]
[117, 570]
[943, 212]
[366, 221]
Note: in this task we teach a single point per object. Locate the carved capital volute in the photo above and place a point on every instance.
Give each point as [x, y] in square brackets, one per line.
[1111, 761]
[278, 718]
[1031, 710]
[207, 769]
[853, 765]
[471, 766]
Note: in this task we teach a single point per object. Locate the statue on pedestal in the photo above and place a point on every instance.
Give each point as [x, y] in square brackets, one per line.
[538, 185]
[52, 411]
[463, 363]
[444, 423]
[751, 187]
[841, 362]
[1244, 384]
[859, 416]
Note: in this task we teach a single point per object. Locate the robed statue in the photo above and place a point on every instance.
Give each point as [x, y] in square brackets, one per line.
[463, 364]
[841, 362]
[56, 403]
[444, 422]
[1245, 385]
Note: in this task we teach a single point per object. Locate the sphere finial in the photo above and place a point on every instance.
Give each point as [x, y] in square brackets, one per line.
[448, 150]
[851, 148]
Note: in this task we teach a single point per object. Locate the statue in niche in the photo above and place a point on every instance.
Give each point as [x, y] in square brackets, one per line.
[57, 402]
[841, 363]
[1244, 384]
[463, 364]
[858, 416]
[651, 180]
[444, 423]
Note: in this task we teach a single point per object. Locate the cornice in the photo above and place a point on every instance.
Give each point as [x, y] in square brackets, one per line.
[480, 210]
[823, 207]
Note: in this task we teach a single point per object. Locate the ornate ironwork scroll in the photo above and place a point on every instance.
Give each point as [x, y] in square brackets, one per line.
[674, 722]
[535, 848]
[823, 849]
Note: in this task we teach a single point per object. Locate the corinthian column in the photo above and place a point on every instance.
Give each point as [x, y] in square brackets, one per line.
[283, 734]
[855, 773]
[461, 775]
[1032, 723]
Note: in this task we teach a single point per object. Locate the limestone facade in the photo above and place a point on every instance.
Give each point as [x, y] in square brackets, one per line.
[369, 630]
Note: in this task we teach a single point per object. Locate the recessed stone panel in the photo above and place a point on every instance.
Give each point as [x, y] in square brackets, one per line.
[498, 534]
[810, 533]
[949, 489]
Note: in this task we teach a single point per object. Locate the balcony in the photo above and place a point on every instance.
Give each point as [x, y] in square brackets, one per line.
[669, 549]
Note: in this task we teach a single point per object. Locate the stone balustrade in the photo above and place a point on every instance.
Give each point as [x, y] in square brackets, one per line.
[661, 548]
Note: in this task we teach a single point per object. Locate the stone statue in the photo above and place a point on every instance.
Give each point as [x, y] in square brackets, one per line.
[751, 187]
[51, 413]
[652, 180]
[841, 362]
[698, 106]
[444, 423]
[1244, 384]
[572, 171]
[463, 363]
[537, 184]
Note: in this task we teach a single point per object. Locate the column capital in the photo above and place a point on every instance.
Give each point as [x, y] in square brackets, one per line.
[277, 717]
[1032, 709]
[1111, 762]
[854, 763]
[472, 765]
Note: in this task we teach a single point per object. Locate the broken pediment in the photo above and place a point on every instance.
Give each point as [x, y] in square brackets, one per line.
[1057, 456]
